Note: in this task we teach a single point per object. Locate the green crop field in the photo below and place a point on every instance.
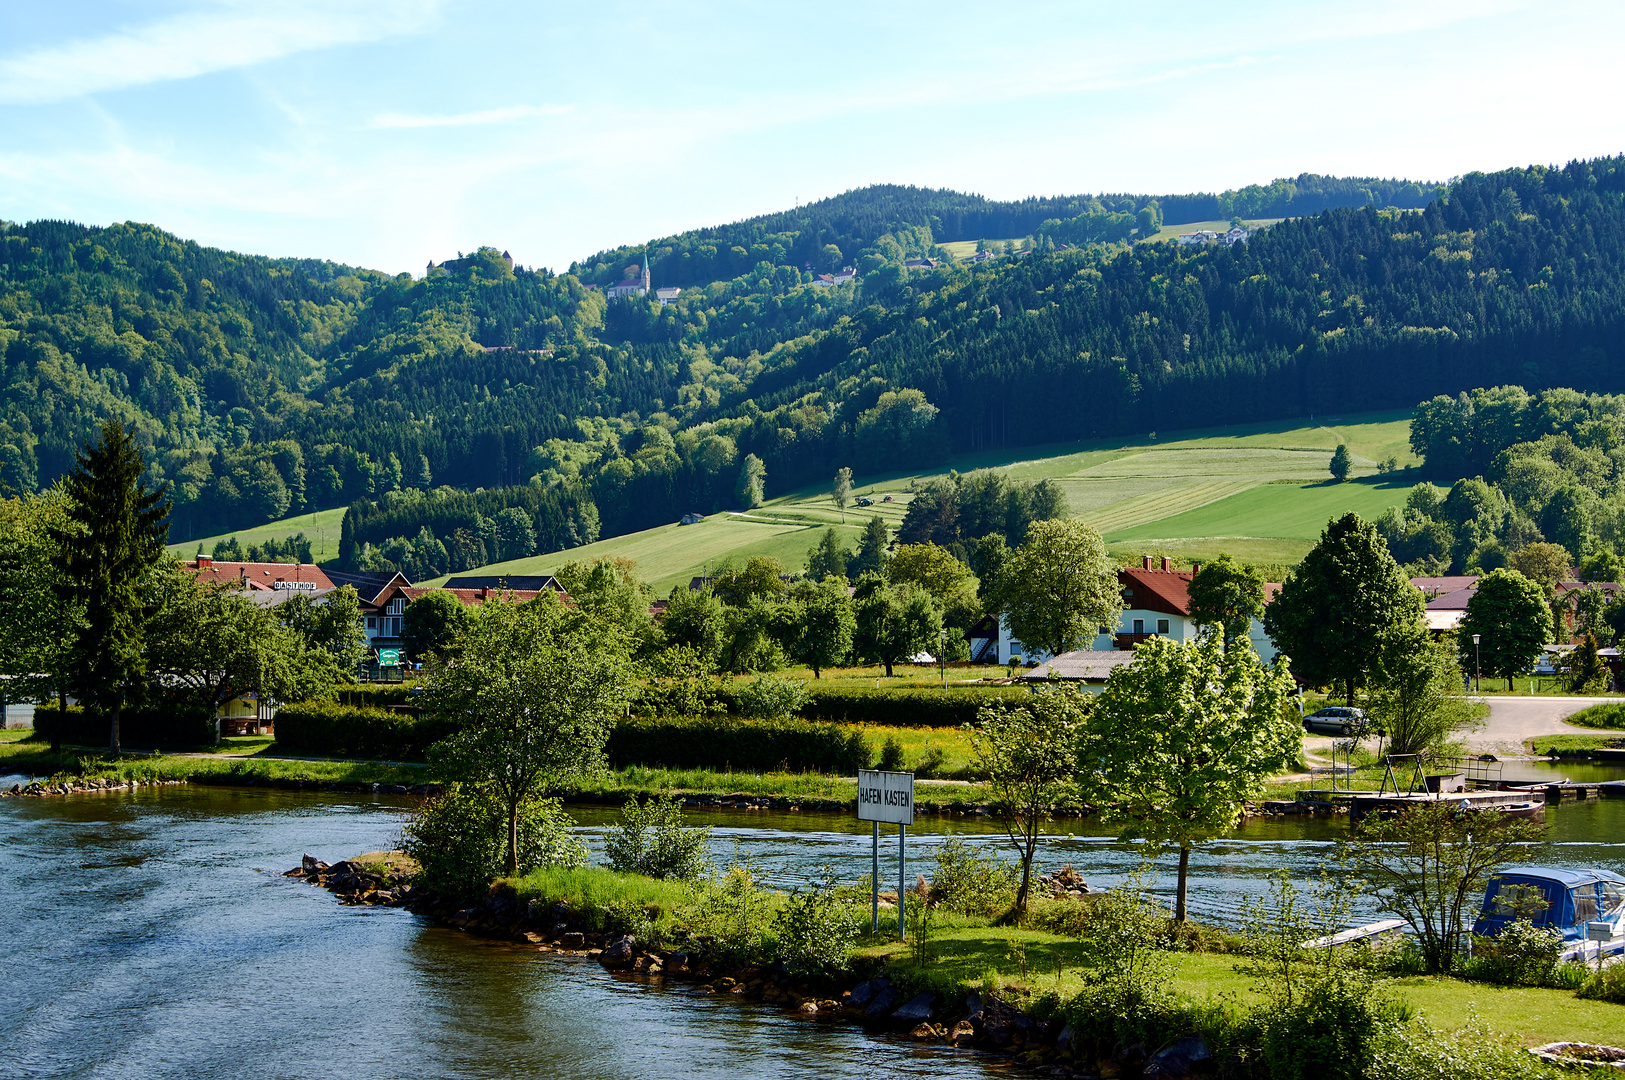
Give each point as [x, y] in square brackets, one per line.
[321, 527]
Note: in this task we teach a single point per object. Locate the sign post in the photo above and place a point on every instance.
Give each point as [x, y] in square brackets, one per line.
[887, 796]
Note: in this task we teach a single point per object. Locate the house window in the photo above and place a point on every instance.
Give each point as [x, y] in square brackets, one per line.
[392, 626]
[1162, 626]
[1139, 626]
[372, 624]
[397, 605]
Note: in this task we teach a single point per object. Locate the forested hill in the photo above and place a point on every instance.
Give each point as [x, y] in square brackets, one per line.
[264, 386]
[825, 235]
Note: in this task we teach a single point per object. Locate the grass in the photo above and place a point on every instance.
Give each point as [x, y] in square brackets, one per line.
[321, 528]
[1221, 227]
[1571, 745]
[1607, 717]
[1191, 494]
[966, 949]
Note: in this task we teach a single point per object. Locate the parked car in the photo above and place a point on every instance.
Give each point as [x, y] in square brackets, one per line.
[1335, 720]
[862, 501]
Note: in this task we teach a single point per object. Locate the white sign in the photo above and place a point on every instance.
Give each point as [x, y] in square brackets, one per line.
[886, 796]
[294, 586]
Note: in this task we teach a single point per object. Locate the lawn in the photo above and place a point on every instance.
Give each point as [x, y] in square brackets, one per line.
[1169, 232]
[321, 528]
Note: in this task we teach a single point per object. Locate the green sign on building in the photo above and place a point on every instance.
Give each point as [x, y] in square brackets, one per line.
[390, 658]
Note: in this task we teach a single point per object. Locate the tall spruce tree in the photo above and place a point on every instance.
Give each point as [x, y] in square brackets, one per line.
[105, 554]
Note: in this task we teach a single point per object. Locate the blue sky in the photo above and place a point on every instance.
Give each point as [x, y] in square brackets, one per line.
[389, 134]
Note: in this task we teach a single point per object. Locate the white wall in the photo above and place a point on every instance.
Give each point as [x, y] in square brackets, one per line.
[1179, 629]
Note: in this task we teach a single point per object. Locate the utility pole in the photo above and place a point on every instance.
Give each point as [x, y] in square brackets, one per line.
[1478, 665]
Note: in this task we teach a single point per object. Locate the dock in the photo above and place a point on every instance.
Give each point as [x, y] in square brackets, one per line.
[1361, 803]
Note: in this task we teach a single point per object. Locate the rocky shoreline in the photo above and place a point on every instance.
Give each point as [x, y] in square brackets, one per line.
[38, 789]
[979, 1022]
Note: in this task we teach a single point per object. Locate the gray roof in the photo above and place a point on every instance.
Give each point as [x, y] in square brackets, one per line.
[1086, 665]
[516, 582]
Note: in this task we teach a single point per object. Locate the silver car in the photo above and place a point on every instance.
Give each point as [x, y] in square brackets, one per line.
[1335, 720]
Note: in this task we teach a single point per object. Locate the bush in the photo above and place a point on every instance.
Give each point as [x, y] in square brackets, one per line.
[1129, 996]
[651, 840]
[971, 884]
[768, 697]
[460, 840]
[1605, 985]
[891, 754]
[153, 724]
[904, 708]
[379, 695]
[1418, 1051]
[731, 919]
[1522, 954]
[816, 929]
[338, 730]
[718, 741]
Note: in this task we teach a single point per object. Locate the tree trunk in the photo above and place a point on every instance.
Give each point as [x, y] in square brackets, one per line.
[112, 737]
[888, 669]
[62, 718]
[1350, 686]
[815, 674]
[1184, 874]
[1020, 910]
[513, 838]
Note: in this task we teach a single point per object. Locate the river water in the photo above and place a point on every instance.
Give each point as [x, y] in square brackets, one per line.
[151, 933]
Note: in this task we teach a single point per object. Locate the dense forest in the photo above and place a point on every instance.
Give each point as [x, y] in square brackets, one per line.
[261, 387]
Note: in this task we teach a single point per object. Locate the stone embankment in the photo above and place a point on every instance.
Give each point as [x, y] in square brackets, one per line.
[977, 1021]
[43, 788]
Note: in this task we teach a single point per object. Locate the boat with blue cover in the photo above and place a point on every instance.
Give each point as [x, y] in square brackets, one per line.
[1587, 905]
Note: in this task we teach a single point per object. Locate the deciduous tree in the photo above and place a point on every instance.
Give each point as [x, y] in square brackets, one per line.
[1181, 737]
[1342, 461]
[534, 694]
[431, 625]
[1338, 610]
[824, 636]
[1059, 587]
[841, 490]
[1509, 614]
[1228, 596]
[894, 621]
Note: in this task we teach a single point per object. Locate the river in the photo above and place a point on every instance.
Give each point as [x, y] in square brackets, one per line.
[151, 933]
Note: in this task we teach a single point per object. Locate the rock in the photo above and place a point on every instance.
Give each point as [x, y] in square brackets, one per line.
[677, 963]
[618, 954]
[1187, 1057]
[920, 1009]
[535, 938]
[573, 940]
[1003, 1025]
[807, 1007]
[864, 992]
[964, 1031]
[1063, 1041]
[880, 1005]
[923, 1033]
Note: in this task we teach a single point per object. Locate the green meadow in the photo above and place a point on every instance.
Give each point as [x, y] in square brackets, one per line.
[321, 527]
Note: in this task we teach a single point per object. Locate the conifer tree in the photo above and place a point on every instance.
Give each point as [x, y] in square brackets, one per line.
[106, 552]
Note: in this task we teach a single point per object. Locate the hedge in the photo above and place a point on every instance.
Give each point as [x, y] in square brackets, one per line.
[378, 695]
[1609, 716]
[904, 708]
[157, 724]
[363, 731]
[730, 741]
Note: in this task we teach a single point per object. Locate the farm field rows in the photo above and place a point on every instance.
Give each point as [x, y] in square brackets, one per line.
[321, 527]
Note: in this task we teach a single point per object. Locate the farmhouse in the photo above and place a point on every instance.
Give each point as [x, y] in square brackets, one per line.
[1156, 603]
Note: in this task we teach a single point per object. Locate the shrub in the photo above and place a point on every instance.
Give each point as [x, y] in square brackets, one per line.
[715, 741]
[731, 918]
[1605, 985]
[891, 754]
[364, 731]
[904, 708]
[1129, 995]
[816, 930]
[1418, 1051]
[1609, 716]
[651, 840]
[156, 723]
[459, 839]
[1522, 954]
[768, 697]
[379, 695]
[930, 763]
[970, 883]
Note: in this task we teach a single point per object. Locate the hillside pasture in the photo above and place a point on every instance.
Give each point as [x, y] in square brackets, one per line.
[320, 527]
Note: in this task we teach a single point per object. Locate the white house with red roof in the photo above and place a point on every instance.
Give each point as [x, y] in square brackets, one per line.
[1156, 603]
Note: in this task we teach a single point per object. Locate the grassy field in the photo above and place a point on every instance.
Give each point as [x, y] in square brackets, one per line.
[1221, 227]
[321, 528]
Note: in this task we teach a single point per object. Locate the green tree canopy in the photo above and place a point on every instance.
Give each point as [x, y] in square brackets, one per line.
[894, 622]
[1059, 587]
[36, 631]
[431, 625]
[870, 558]
[610, 589]
[107, 552]
[1337, 611]
[823, 637]
[827, 558]
[1181, 737]
[333, 629]
[1510, 615]
[1342, 461]
[1227, 595]
[534, 695]
[694, 618]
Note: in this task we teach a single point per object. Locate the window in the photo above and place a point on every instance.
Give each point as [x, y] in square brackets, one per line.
[1162, 626]
[397, 605]
[1139, 626]
[392, 626]
[372, 623]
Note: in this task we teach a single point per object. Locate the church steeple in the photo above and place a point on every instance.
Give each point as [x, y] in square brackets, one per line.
[646, 272]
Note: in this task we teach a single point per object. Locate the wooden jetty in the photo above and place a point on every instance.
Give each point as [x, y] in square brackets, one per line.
[1521, 803]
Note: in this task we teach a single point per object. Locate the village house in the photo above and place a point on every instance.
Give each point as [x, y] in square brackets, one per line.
[667, 294]
[1156, 603]
[632, 286]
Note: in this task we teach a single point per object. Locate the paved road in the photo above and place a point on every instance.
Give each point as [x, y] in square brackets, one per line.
[1514, 719]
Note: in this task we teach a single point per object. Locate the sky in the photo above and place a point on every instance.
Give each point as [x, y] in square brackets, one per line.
[388, 134]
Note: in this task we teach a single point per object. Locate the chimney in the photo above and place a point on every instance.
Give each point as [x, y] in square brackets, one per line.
[1196, 568]
[1165, 566]
[205, 562]
[1145, 562]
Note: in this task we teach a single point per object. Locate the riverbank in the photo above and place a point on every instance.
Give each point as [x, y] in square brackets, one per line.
[970, 983]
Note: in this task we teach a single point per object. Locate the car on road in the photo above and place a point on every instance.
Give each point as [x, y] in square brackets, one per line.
[1335, 720]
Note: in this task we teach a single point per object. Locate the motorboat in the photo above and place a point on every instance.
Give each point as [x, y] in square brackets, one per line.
[1587, 905]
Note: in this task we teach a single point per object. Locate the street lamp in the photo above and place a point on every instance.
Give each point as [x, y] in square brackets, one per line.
[942, 660]
[1478, 666]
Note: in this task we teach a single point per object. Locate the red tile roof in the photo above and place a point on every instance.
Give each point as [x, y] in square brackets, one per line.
[258, 575]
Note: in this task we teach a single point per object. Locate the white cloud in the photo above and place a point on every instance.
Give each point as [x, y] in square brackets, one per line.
[469, 119]
[222, 37]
